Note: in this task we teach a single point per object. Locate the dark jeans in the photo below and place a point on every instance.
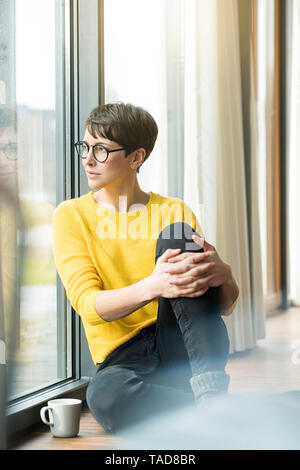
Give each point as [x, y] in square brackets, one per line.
[150, 373]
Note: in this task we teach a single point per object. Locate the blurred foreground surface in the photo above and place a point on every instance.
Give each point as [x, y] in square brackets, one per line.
[237, 422]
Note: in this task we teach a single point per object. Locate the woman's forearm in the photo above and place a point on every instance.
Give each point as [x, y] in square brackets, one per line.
[118, 303]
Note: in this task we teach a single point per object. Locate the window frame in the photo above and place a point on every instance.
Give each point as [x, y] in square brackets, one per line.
[82, 91]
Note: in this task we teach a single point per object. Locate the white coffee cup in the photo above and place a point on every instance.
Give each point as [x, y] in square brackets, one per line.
[64, 416]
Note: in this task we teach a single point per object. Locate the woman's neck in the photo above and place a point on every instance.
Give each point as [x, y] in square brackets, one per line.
[121, 202]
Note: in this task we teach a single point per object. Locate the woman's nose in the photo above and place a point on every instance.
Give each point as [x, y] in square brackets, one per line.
[90, 156]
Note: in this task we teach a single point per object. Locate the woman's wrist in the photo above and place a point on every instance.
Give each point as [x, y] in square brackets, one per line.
[150, 288]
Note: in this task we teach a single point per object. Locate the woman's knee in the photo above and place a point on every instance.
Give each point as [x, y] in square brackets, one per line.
[177, 231]
[96, 398]
[176, 235]
[108, 393]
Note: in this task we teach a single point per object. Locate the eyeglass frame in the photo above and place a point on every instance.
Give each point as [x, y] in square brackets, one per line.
[92, 147]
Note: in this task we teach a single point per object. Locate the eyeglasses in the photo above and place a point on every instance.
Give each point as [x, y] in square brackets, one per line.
[100, 153]
[10, 150]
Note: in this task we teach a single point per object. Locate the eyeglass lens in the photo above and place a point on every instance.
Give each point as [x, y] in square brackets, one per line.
[100, 152]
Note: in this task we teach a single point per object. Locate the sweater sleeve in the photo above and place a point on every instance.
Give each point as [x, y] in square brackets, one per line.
[230, 309]
[74, 264]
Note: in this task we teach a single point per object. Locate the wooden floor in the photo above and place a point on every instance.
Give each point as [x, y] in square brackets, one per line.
[272, 366]
[91, 437]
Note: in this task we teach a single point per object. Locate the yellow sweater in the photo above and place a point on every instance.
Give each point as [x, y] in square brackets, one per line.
[97, 248]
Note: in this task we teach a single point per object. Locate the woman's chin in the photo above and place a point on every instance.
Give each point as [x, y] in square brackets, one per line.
[94, 185]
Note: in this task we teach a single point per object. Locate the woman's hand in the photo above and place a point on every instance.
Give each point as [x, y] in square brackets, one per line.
[210, 270]
[170, 279]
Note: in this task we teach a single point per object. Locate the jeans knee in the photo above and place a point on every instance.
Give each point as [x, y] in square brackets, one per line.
[94, 402]
[176, 235]
[102, 396]
[177, 231]
[108, 395]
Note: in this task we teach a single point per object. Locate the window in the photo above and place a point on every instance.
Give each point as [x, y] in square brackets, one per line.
[50, 78]
[32, 134]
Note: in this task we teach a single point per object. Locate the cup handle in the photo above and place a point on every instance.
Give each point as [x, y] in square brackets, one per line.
[43, 415]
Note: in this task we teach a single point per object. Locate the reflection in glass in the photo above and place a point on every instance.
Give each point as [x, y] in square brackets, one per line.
[30, 134]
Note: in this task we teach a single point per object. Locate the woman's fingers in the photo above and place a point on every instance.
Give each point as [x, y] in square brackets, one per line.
[193, 257]
[179, 268]
[181, 281]
[199, 271]
[194, 293]
[192, 274]
[197, 293]
[188, 286]
[168, 254]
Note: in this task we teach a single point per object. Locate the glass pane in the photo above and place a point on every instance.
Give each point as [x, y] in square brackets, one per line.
[32, 92]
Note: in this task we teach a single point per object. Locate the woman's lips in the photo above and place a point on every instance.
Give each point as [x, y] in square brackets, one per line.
[92, 175]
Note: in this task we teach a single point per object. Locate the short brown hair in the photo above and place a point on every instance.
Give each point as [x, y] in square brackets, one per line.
[130, 126]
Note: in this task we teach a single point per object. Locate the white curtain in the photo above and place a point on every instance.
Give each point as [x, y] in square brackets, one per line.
[258, 303]
[293, 156]
[135, 72]
[136, 66]
[214, 168]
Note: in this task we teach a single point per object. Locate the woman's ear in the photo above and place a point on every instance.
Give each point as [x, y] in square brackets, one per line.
[138, 158]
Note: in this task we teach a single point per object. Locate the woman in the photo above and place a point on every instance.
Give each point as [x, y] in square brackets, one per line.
[150, 297]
